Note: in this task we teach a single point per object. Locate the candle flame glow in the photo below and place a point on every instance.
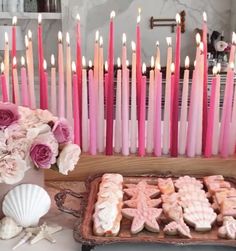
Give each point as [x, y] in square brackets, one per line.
[83, 61]
[172, 68]
[231, 65]
[138, 19]
[201, 46]
[133, 46]
[113, 14]
[73, 66]
[39, 18]
[68, 38]
[187, 62]
[144, 68]
[152, 62]
[158, 66]
[2, 68]
[30, 34]
[195, 63]
[218, 67]
[234, 38]
[96, 36]
[169, 41]
[14, 61]
[6, 38]
[60, 37]
[14, 20]
[204, 15]
[106, 66]
[118, 62]
[52, 60]
[44, 64]
[127, 62]
[101, 41]
[198, 39]
[22, 61]
[90, 63]
[78, 17]
[26, 42]
[123, 38]
[214, 70]
[157, 43]
[177, 18]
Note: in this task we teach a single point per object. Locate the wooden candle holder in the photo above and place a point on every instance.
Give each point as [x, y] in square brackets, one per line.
[133, 165]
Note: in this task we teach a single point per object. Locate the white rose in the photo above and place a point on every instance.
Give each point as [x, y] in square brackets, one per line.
[68, 158]
[12, 169]
[32, 133]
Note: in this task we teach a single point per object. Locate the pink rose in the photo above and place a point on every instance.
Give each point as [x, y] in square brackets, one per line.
[62, 132]
[8, 114]
[44, 151]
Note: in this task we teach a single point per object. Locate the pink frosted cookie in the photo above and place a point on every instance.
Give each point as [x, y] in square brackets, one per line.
[133, 190]
[228, 230]
[166, 186]
[177, 228]
[150, 202]
[143, 216]
[187, 181]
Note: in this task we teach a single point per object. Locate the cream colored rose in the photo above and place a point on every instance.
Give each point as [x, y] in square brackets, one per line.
[68, 158]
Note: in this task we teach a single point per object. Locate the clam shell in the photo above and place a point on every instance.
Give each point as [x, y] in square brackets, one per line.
[26, 204]
[9, 228]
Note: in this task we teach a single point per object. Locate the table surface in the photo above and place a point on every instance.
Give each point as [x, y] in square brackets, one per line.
[65, 239]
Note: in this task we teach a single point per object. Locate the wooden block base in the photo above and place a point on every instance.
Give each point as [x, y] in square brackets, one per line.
[133, 165]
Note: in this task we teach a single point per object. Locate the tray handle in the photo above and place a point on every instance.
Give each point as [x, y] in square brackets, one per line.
[60, 200]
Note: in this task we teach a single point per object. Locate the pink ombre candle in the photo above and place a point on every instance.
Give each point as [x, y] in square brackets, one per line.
[92, 112]
[76, 106]
[45, 85]
[184, 110]
[15, 87]
[6, 63]
[24, 84]
[142, 115]
[3, 84]
[13, 55]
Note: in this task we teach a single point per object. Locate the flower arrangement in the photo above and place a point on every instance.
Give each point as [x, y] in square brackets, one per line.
[33, 139]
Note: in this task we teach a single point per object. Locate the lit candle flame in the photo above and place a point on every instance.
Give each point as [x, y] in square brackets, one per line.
[152, 62]
[44, 65]
[106, 66]
[39, 18]
[198, 39]
[187, 62]
[2, 68]
[177, 18]
[22, 61]
[158, 66]
[14, 20]
[195, 63]
[30, 34]
[172, 68]
[139, 16]
[78, 17]
[231, 65]
[204, 15]
[90, 64]
[127, 62]
[144, 68]
[234, 38]
[124, 39]
[112, 15]
[101, 41]
[133, 46]
[68, 38]
[53, 60]
[6, 38]
[96, 36]
[201, 46]
[84, 62]
[14, 61]
[214, 70]
[118, 62]
[73, 66]
[26, 42]
[157, 43]
[60, 37]
[218, 67]
[169, 41]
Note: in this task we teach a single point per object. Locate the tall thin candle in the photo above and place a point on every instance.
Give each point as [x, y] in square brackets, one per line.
[24, 84]
[53, 86]
[167, 105]
[175, 110]
[6, 62]
[3, 84]
[125, 101]
[92, 112]
[158, 54]
[76, 106]
[184, 110]
[109, 117]
[45, 83]
[13, 55]
[118, 124]
[85, 134]
[15, 87]
[142, 115]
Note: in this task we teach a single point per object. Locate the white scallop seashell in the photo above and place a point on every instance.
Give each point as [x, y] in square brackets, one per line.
[26, 204]
[9, 228]
[187, 181]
